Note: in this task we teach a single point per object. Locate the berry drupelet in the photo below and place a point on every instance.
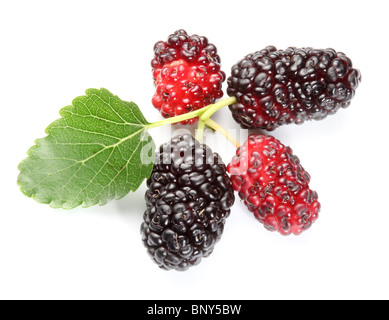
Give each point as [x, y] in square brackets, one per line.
[188, 199]
[187, 75]
[273, 185]
[275, 87]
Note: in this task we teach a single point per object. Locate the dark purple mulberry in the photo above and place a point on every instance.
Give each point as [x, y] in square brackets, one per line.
[275, 87]
[188, 199]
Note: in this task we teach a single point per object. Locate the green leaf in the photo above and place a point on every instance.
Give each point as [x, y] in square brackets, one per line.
[98, 151]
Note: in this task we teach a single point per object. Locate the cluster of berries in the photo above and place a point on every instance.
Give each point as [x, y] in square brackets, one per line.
[190, 192]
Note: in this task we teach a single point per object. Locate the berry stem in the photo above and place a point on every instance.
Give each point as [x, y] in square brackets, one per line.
[215, 126]
[216, 106]
[203, 113]
[200, 131]
[205, 116]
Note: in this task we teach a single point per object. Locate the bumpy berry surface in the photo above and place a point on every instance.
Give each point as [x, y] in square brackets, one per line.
[273, 185]
[187, 75]
[275, 87]
[188, 199]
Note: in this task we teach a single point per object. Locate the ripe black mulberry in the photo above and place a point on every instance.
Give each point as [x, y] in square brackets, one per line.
[276, 87]
[188, 199]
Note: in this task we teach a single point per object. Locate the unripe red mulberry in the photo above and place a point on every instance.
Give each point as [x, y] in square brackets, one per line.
[273, 185]
[187, 75]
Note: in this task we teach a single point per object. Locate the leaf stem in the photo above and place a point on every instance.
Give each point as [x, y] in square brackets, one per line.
[212, 124]
[176, 119]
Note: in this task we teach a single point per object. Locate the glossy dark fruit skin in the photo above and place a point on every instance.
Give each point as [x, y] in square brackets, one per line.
[186, 73]
[276, 87]
[273, 185]
[188, 199]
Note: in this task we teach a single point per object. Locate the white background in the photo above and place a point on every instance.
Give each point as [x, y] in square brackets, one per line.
[51, 51]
